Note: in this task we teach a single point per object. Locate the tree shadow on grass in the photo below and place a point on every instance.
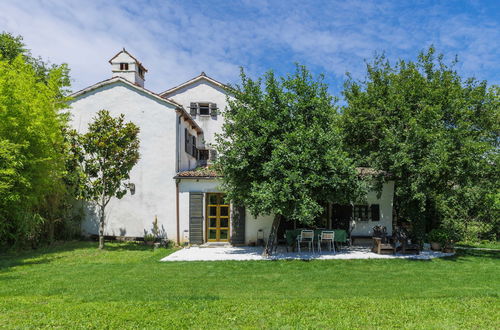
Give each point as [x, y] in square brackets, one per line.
[52, 252]
[463, 255]
[127, 246]
[42, 255]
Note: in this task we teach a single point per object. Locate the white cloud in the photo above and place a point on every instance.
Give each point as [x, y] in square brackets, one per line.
[178, 40]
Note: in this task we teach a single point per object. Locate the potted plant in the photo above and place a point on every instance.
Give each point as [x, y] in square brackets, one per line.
[438, 238]
[149, 239]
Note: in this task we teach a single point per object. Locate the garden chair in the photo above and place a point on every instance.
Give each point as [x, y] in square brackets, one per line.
[306, 236]
[327, 236]
[402, 237]
[380, 241]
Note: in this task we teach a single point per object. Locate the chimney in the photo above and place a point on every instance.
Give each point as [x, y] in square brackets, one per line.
[128, 67]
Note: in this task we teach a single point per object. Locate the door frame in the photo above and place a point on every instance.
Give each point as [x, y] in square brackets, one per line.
[207, 216]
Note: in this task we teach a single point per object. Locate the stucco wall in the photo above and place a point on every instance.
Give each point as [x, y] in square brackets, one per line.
[153, 174]
[203, 91]
[364, 228]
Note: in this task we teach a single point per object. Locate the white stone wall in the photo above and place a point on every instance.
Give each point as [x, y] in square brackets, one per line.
[153, 174]
[364, 228]
[203, 91]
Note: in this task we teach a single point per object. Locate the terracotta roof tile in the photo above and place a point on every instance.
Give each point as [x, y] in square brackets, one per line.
[207, 172]
[200, 172]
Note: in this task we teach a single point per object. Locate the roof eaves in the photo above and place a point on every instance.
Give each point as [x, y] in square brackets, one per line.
[192, 81]
[125, 81]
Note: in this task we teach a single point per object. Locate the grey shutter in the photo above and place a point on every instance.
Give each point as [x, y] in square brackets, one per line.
[375, 212]
[213, 155]
[213, 110]
[193, 109]
[193, 147]
[195, 218]
[186, 140]
[238, 225]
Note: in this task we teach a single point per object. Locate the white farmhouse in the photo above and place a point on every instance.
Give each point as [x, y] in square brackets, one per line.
[171, 180]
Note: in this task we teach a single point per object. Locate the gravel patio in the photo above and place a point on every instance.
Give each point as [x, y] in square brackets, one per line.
[255, 253]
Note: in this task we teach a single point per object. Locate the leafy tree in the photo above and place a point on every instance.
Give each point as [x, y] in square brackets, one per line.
[104, 157]
[281, 151]
[31, 140]
[434, 131]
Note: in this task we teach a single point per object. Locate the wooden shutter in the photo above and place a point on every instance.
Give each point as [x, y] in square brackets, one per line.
[213, 110]
[195, 218]
[193, 109]
[238, 225]
[193, 146]
[213, 155]
[375, 212]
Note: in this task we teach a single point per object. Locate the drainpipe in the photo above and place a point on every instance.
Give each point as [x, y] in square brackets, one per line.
[177, 210]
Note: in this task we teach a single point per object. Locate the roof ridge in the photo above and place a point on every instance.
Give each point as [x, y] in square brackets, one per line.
[202, 75]
[137, 87]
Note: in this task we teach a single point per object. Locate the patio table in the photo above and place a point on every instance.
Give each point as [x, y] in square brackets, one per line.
[291, 235]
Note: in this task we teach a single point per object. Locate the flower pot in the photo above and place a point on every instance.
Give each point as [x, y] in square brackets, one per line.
[150, 243]
[435, 246]
[449, 249]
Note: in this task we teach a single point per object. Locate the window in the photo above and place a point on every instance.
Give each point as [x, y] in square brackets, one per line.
[189, 143]
[203, 154]
[141, 72]
[123, 66]
[193, 146]
[375, 212]
[204, 109]
[213, 155]
[361, 212]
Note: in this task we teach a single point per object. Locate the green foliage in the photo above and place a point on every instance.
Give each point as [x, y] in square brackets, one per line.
[56, 288]
[149, 238]
[435, 132]
[281, 151]
[440, 236]
[31, 146]
[11, 46]
[102, 159]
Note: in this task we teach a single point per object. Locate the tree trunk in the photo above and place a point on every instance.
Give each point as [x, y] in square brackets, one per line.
[271, 241]
[101, 229]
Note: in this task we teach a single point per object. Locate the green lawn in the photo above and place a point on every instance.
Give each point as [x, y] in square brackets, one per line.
[481, 245]
[76, 285]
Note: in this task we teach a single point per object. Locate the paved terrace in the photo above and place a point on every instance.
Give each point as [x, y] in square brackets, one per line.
[255, 253]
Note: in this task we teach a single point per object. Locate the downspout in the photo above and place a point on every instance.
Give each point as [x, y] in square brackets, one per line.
[178, 142]
[177, 210]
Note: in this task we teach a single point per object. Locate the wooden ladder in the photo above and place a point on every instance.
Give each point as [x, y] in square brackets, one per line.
[271, 245]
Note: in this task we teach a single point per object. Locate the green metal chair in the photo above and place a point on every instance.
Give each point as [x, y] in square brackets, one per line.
[327, 236]
[306, 236]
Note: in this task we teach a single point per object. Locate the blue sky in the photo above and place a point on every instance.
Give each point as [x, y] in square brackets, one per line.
[176, 40]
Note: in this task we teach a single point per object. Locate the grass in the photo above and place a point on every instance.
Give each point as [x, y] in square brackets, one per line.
[75, 285]
[482, 244]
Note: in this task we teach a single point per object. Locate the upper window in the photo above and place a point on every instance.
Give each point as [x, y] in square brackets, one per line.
[204, 109]
[189, 143]
[123, 66]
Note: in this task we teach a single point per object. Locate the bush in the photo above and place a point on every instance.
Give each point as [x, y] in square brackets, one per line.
[440, 236]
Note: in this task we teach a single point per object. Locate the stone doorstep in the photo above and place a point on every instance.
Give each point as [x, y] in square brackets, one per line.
[215, 245]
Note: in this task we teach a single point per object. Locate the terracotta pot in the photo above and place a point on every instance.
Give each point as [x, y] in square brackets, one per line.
[435, 246]
[448, 249]
[149, 242]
